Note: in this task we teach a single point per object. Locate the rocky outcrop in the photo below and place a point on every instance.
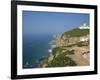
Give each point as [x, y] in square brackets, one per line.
[73, 46]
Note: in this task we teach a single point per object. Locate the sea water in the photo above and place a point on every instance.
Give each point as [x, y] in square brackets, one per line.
[35, 47]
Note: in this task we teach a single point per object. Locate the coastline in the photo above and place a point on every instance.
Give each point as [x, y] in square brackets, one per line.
[73, 49]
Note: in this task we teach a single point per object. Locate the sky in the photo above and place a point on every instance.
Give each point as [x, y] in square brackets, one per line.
[36, 22]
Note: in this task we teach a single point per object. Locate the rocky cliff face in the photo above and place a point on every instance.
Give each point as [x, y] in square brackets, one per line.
[71, 49]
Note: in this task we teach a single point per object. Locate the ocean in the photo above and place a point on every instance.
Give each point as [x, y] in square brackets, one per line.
[35, 47]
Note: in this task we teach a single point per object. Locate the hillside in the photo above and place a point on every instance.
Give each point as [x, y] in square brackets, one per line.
[76, 33]
[71, 49]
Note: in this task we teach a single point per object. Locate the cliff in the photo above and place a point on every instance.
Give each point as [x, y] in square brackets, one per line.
[70, 49]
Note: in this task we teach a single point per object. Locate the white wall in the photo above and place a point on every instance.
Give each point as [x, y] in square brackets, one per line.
[5, 30]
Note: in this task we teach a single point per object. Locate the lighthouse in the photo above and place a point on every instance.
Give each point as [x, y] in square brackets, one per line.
[84, 26]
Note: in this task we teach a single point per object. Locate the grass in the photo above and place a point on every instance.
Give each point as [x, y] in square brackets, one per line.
[76, 33]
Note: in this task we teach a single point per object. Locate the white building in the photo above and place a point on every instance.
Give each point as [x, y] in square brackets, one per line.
[84, 26]
[84, 39]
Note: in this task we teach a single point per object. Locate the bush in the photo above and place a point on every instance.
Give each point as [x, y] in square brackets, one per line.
[61, 61]
[80, 44]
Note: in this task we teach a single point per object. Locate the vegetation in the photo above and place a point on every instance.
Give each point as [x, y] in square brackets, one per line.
[61, 61]
[80, 44]
[71, 45]
[62, 54]
[57, 50]
[69, 52]
[76, 33]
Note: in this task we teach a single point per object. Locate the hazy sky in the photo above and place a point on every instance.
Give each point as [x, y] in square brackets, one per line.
[51, 22]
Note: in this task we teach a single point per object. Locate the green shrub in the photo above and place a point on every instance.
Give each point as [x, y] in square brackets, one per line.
[80, 44]
[61, 61]
[57, 50]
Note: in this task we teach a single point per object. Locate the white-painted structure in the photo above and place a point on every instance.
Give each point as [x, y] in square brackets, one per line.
[84, 39]
[84, 26]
